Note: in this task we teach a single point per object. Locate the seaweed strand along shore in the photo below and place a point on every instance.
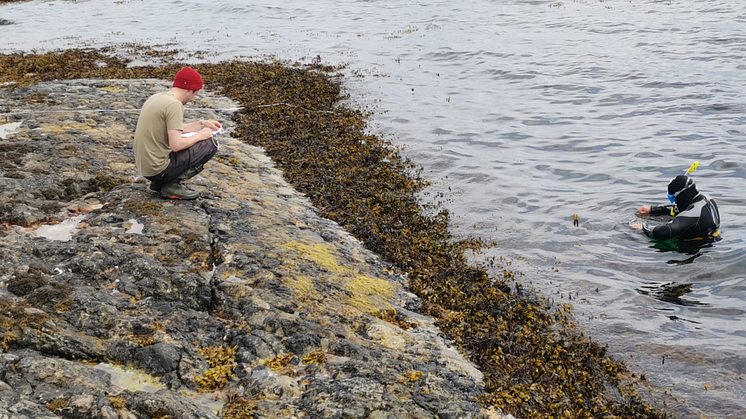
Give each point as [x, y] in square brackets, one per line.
[533, 361]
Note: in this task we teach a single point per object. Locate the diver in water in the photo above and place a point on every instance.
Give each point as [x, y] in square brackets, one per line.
[696, 218]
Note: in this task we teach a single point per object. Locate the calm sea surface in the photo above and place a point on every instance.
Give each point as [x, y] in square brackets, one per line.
[524, 113]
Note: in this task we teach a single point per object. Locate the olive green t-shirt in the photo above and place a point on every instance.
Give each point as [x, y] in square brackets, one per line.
[160, 113]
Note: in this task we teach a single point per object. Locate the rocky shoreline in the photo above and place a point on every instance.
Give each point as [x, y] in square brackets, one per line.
[246, 295]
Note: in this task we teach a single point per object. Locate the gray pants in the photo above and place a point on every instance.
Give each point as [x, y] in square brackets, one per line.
[183, 160]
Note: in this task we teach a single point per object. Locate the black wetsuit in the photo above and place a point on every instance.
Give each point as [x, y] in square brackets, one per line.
[700, 219]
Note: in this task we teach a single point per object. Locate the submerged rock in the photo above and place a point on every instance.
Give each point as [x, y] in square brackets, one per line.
[245, 292]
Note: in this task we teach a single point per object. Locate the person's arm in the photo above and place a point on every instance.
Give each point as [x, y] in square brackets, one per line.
[668, 231]
[202, 123]
[652, 210]
[177, 143]
[655, 209]
[660, 209]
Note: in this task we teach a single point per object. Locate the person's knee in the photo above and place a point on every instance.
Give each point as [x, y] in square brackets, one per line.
[208, 152]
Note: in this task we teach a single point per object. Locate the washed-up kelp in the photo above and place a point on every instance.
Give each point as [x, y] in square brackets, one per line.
[536, 362]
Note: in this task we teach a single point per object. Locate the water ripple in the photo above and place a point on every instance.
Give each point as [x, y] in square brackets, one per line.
[529, 112]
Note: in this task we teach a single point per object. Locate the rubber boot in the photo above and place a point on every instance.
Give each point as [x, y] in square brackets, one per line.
[192, 172]
[178, 190]
[155, 187]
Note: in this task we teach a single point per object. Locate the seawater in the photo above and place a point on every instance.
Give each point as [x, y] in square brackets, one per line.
[524, 113]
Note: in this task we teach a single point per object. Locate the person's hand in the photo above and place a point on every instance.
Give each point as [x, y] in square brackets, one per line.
[644, 210]
[212, 124]
[206, 132]
[636, 226]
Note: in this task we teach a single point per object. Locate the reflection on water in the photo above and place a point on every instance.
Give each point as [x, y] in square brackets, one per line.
[670, 293]
[689, 249]
[686, 261]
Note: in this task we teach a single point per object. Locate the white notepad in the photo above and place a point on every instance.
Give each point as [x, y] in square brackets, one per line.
[189, 134]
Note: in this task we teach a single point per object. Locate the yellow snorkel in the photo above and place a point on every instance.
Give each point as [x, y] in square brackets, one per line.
[691, 168]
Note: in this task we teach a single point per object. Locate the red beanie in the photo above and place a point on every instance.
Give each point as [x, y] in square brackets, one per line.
[188, 78]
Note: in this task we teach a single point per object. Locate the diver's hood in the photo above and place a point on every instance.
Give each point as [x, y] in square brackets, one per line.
[682, 187]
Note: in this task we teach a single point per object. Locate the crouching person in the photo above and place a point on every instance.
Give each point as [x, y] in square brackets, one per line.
[162, 154]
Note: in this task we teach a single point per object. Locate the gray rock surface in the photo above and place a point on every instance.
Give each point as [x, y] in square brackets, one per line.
[115, 303]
